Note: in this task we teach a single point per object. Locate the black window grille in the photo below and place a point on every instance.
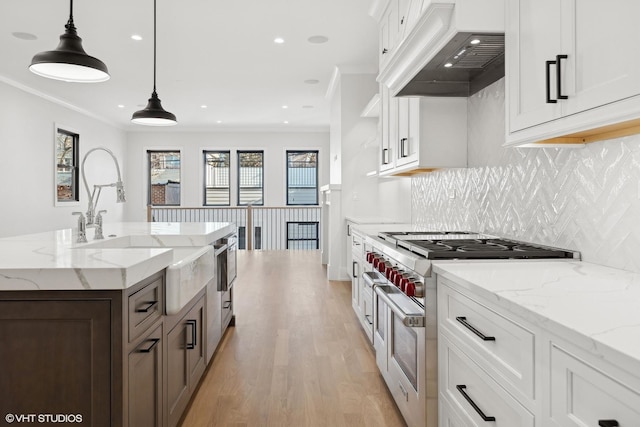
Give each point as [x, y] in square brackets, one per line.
[217, 189]
[302, 177]
[164, 178]
[250, 178]
[67, 176]
[303, 235]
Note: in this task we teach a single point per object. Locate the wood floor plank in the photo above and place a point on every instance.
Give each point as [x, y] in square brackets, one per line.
[297, 355]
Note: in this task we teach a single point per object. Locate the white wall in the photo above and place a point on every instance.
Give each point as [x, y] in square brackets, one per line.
[585, 199]
[191, 146]
[27, 186]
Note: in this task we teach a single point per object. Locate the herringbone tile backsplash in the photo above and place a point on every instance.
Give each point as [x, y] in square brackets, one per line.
[585, 199]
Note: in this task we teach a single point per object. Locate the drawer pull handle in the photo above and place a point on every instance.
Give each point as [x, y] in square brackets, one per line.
[154, 342]
[559, 58]
[608, 423]
[461, 389]
[149, 306]
[548, 83]
[194, 334]
[369, 321]
[466, 324]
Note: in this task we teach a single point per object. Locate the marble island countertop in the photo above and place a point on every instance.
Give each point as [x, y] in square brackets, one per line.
[597, 307]
[130, 252]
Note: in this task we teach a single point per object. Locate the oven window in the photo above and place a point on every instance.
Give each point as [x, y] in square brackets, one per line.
[404, 350]
[380, 323]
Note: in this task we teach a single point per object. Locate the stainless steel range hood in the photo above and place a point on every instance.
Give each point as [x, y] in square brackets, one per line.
[456, 48]
[461, 68]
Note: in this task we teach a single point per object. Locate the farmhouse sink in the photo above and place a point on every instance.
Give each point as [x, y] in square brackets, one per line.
[192, 268]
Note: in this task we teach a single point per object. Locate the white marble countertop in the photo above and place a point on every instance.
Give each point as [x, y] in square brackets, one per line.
[54, 261]
[597, 307]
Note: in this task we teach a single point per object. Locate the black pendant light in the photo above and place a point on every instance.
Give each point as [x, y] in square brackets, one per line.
[154, 114]
[69, 62]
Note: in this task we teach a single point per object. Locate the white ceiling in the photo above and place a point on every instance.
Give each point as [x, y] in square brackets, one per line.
[210, 52]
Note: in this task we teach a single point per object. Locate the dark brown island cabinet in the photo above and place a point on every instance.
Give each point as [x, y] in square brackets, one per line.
[99, 358]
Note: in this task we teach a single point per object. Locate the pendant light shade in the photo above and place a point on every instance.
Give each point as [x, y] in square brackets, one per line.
[154, 114]
[69, 62]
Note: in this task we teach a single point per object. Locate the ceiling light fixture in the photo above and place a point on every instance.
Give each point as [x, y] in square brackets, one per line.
[278, 40]
[285, 106]
[136, 37]
[153, 114]
[69, 62]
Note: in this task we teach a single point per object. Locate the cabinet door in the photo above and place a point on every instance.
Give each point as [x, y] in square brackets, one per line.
[145, 381]
[177, 379]
[403, 16]
[355, 286]
[56, 358]
[408, 130]
[599, 41]
[533, 37]
[195, 345]
[388, 32]
[389, 119]
[185, 360]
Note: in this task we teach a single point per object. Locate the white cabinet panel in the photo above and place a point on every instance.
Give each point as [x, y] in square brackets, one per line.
[478, 396]
[570, 67]
[603, 68]
[581, 395]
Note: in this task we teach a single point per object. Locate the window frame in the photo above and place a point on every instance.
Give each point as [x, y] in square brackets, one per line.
[149, 151]
[317, 153]
[238, 154]
[75, 167]
[204, 177]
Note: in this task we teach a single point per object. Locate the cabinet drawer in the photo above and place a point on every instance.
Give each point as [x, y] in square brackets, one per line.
[475, 394]
[506, 347]
[582, 395]
[145, 307]
[356, 245]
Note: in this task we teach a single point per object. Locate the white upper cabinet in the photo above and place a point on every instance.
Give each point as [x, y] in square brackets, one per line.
[570, 68]
[424, 133]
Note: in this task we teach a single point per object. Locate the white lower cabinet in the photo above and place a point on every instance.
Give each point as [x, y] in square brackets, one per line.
[583, 395]
[477, 398]
[523, 373]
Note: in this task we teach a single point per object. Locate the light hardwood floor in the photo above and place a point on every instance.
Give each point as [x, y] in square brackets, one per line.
[297, 355]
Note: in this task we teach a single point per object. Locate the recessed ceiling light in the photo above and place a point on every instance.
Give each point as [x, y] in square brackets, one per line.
[448, 65]
[24, 36]
[278, 40]
[120, 106]
[312, 81]
[203, 106]
[318, 39]
[285, 106]
[136, 37]
[475, 41]
[286, 122]
[218, 121]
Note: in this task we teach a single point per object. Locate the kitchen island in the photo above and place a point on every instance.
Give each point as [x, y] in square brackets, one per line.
[85, 337]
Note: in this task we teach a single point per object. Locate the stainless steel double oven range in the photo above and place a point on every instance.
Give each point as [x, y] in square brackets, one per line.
[398, 269]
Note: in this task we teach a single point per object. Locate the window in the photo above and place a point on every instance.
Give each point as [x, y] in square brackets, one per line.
[67, 176]
[302, 177]
[164, 178]
[250, 178]
[217, 191]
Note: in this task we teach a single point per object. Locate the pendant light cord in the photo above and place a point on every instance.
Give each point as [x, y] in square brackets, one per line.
[70, 26]
[154, 46]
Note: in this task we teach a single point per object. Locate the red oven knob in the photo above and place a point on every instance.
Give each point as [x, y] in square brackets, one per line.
[382, 267]
[410, 288]
[403, 283]
[376, 261]
[389, 273]
[397, 279]
[369, 257]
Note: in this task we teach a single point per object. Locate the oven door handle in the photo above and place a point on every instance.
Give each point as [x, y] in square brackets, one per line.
[372, 279]
[412, 320]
